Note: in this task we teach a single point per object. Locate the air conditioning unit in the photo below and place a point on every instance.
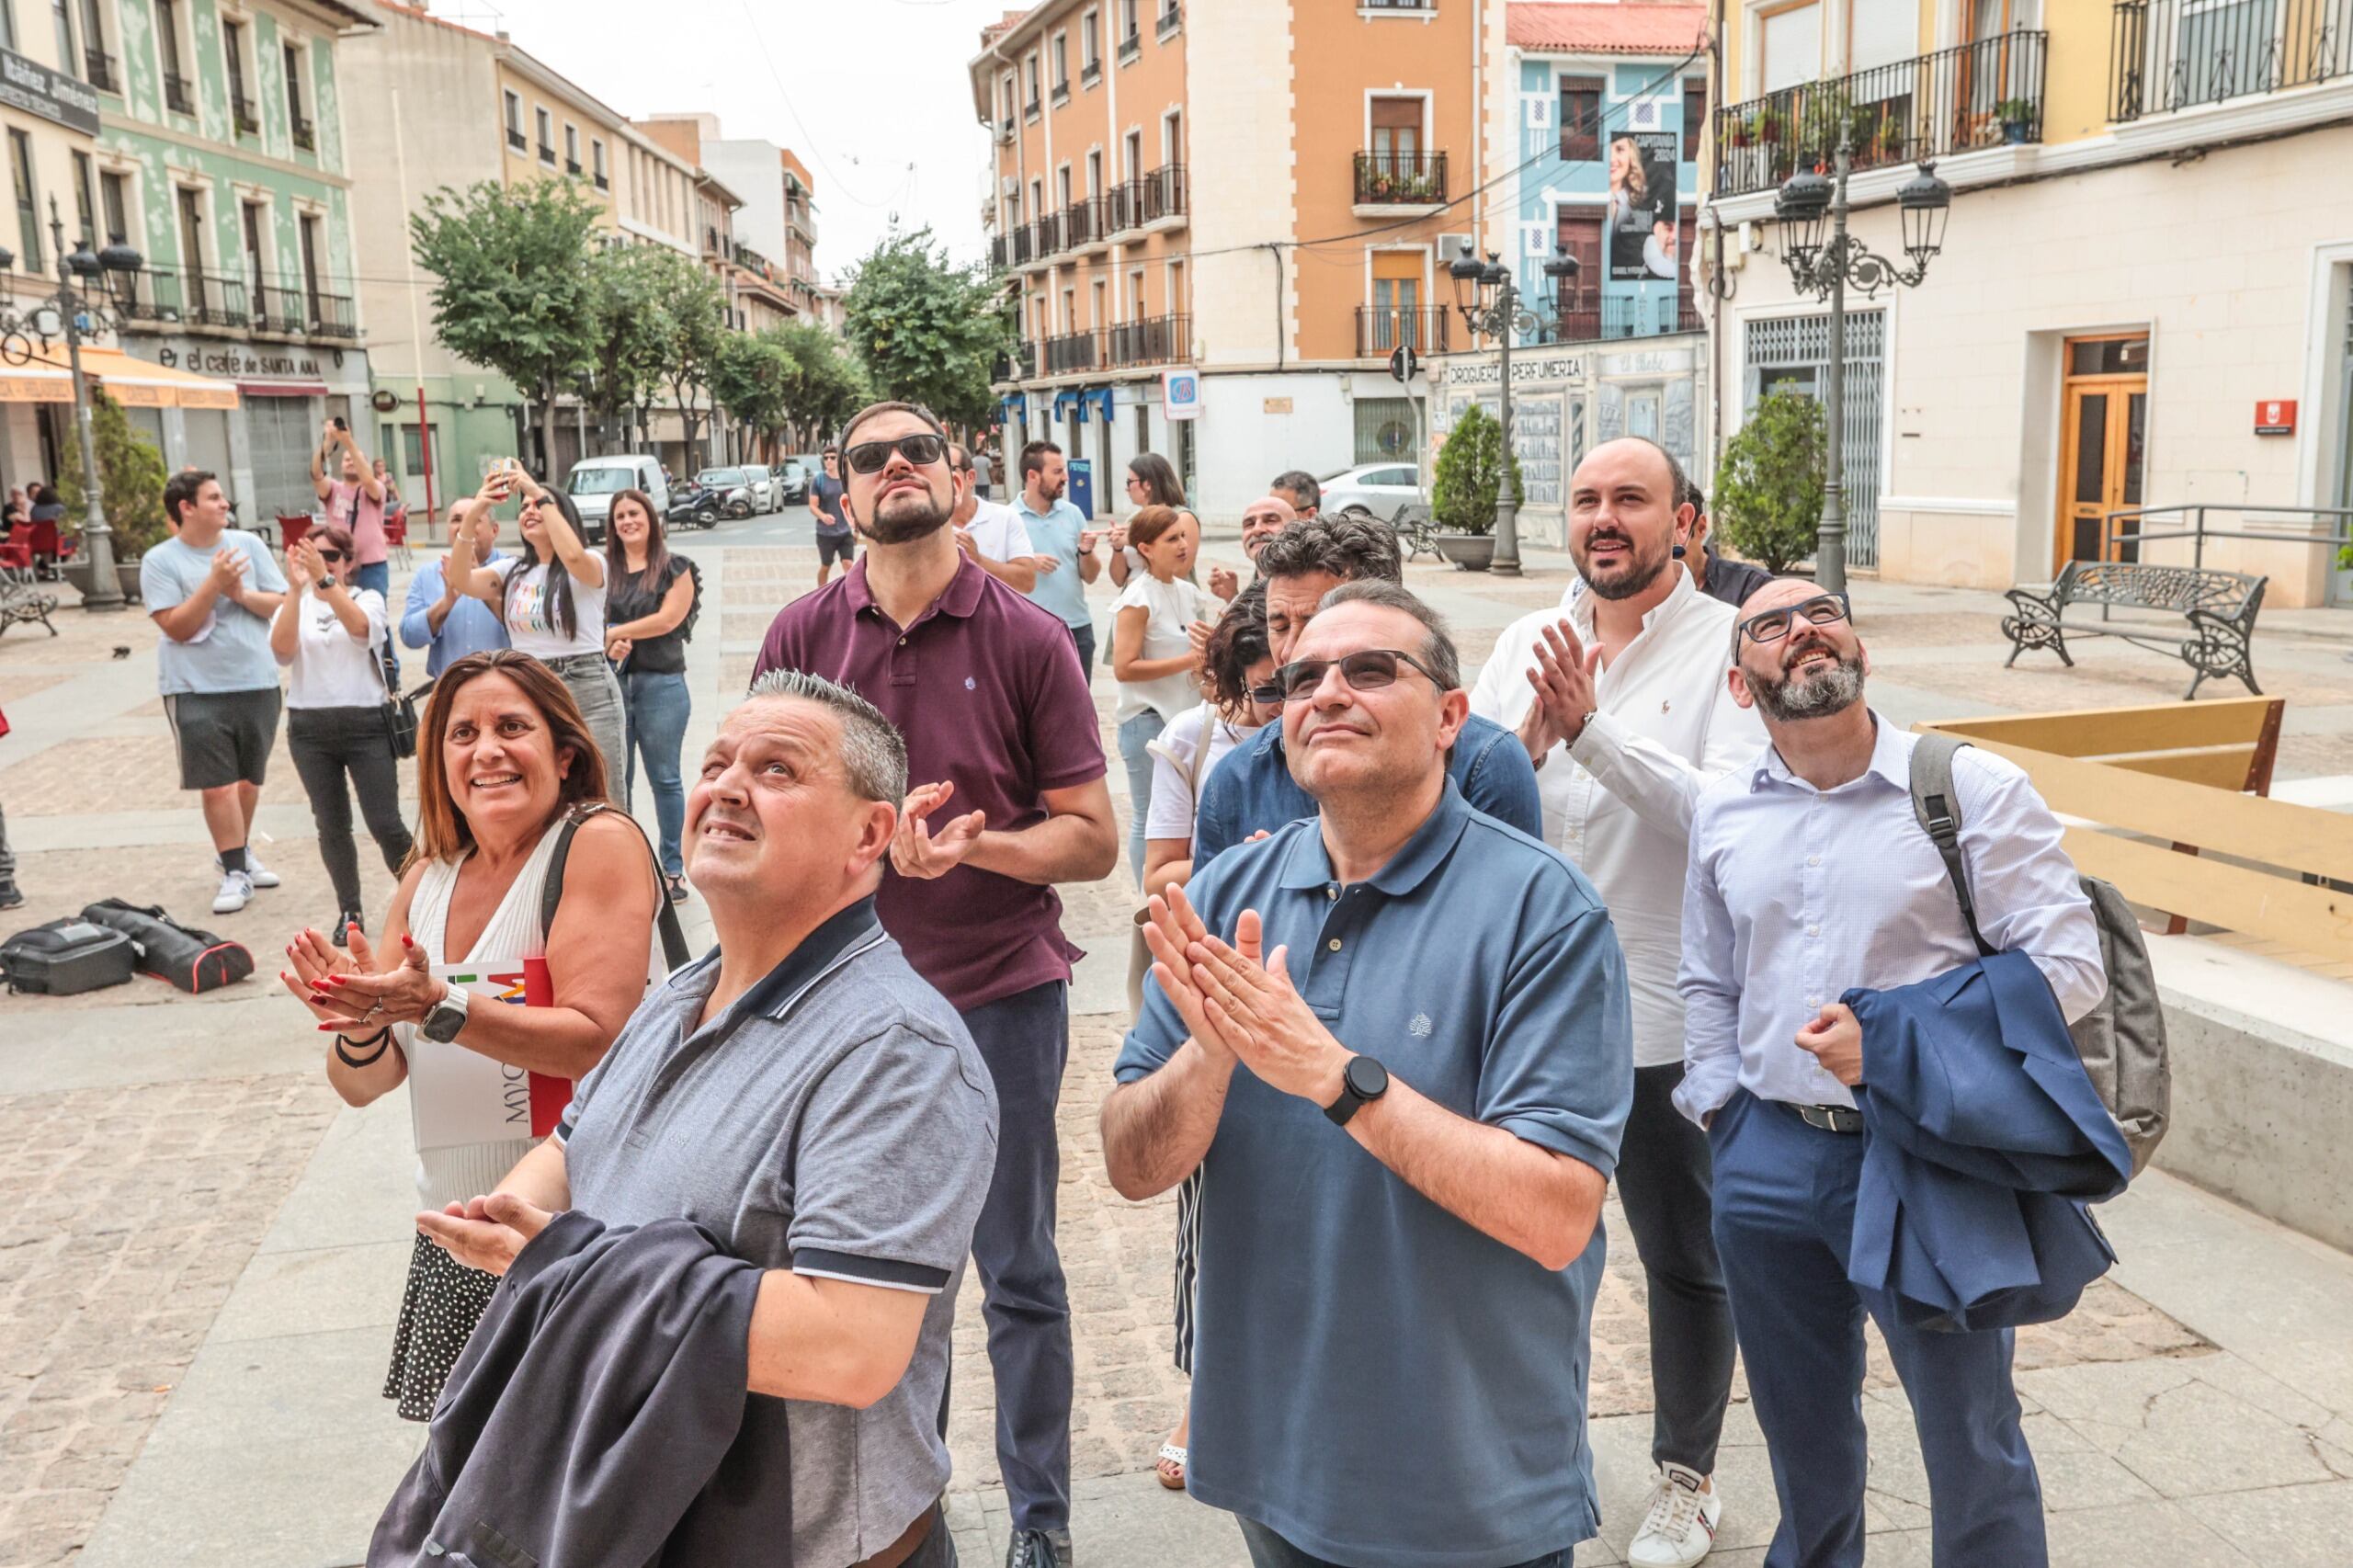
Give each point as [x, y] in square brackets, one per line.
[1449, 247]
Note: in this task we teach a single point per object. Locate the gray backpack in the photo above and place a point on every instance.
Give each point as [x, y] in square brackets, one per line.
[2122, 1040]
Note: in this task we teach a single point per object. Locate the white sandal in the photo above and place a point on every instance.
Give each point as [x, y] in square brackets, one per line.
[1170, 1454]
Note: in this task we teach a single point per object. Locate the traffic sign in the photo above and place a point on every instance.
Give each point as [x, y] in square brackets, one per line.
[1404, 361]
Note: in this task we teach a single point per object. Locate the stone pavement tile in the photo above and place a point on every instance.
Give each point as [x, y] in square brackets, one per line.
[318, 1290]
[2180, 1433]
[2302, 756]
[2290, 1527]
[22, 684]
[1116, 1522]
[290, 1387]
[148, 1033]
[201, 1506]
[357, 1187]
[2137, 1533]
[126, 771]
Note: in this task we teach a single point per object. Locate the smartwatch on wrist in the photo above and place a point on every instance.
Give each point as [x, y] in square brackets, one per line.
[1361, 1082]
[447, 1016]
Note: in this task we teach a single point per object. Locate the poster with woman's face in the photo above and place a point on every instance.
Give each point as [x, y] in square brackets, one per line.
[1641, 206]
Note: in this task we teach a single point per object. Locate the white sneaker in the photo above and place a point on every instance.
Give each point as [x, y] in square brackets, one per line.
[236, 891]
[257, 873]
[1680, 1527]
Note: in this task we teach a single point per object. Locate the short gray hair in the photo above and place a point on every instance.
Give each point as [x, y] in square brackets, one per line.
[1437, 642]
[873, 754]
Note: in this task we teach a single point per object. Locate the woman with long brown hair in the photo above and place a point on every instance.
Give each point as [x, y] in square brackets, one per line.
[651, 597]
[1151, 482]
[509, 781]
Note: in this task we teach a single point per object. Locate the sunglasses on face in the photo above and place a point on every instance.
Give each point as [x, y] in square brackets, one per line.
[332, 555]
[868, 457]
[1367, 671]
[1823, 610]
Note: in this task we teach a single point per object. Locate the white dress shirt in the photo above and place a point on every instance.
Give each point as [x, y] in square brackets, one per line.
[1619, 803]
[999, 531]
[1798, 894]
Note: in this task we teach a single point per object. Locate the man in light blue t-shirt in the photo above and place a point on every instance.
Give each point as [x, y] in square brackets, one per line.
[1063, 543]
[211, 590]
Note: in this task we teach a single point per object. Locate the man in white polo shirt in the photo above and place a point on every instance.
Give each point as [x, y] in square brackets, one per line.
[1622, 699]
[991, 533]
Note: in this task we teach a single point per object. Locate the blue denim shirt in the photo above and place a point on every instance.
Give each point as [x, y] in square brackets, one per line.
[1252, 788]
[470, 627]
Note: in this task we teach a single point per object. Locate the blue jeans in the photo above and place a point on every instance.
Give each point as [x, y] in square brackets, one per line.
[377, 575]
[1135, 735]
[658, 706]
[1269, 1549]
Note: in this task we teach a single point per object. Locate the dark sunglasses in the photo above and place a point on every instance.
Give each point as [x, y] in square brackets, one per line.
[1823, 610]
[333, 555]
[1367, 671]
[1266, 695]
[868, 457]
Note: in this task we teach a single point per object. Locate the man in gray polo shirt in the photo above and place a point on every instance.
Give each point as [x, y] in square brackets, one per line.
[804, 1095]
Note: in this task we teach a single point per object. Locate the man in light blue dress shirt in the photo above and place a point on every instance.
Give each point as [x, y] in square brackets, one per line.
[1809, 875]
[454, 624]
[1064, 544]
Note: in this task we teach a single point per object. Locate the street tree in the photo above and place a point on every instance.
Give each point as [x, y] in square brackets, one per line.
[928, 330]
[629, 345]
[130, 474]
[747, 378]
[511, 282]
[1768, 490]
[693, 318]
[823, 384]
[1470, 475]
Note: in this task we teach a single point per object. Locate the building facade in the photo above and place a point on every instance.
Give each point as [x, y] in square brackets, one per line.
[2106, 329]
[222, 158]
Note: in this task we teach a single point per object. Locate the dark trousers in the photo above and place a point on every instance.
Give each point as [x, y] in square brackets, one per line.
[1084, 637]
[1663, 1181]
[1785, 1215]
[7, 856]
[329, 743]
[1269, 1549]
[1025, 1039]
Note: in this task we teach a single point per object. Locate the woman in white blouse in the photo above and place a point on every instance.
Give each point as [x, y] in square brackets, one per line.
[326, 633]
[1152, 649]
[552, 599]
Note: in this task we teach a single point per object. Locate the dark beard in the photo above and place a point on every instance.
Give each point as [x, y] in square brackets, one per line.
[1634, 583]
[906, 520]
[1816, 696]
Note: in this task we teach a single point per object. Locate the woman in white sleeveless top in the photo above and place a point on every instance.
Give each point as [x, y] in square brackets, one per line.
[503, 758]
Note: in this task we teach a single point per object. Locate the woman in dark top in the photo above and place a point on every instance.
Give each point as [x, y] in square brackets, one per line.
[651, 599]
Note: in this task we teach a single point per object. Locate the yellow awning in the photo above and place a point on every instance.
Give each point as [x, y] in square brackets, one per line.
[35, 381]
[135, 383]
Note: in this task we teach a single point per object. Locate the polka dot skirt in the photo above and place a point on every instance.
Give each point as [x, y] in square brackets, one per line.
[444, 1300]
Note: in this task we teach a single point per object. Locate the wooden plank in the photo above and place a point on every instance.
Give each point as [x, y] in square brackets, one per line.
[2309, 919]
[2302, 838]
[2100, 731]
[2223, 768]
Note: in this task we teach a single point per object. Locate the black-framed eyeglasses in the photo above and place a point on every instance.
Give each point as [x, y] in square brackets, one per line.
[921, 449]
[1823, 610]
[1369, 670]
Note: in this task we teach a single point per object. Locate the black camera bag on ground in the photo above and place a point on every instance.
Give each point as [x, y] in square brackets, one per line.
[193, 960]
[66, 957]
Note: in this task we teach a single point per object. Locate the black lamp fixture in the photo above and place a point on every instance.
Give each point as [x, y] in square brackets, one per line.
[1468, 274]
[1561, 270]
[1803, 205]
[1925, 202]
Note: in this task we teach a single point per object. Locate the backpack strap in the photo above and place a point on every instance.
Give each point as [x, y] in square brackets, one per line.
[665, 919]
[1937, 805]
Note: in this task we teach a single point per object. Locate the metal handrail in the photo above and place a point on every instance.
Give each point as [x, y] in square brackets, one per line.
[2113, 539]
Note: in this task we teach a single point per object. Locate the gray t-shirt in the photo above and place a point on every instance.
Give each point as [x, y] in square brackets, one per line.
[836, 1121]
[231, 651]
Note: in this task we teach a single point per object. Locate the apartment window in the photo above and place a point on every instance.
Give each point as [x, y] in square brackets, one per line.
[570, 148]
[1031, 106]
[1062, 185]
[1070, 310]
[1580, 119]
[1397, 136]
[1131, 149]
[596, 164]
[1135, 295]
[241, 103]
[114, 203]
[1695, 116]
[177, 95]
[101, 72]
[306, 135]
[309, 233]
[1061, 65]
[252, 232]
[20, 164]
[1789, 40]
[1172, 136]
[61, 15]
[1131, 28]
[1578, 232]
[546, 125]
[515, 123]
[1178, 304]
[1094, 173]
[1090, 44]
[84, 202]
[1102, 316]
[191, 202]
[7, 25]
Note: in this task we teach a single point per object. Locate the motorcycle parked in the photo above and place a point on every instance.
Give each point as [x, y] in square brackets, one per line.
[695, 506]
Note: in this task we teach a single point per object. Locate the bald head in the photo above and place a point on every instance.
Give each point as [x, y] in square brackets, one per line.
[1262, 521]
[1627, 515]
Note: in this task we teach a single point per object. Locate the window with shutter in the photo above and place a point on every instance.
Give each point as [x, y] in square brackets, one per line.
[1580, 119]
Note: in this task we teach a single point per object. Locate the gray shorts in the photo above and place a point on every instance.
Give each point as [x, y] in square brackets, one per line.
[837, 547]
[224, 737]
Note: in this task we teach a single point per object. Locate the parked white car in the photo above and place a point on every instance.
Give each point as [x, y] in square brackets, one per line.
[766, 486]
[1383, 489]
[595, 480]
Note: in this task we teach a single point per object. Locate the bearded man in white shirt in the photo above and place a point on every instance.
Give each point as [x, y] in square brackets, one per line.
[1621, 698]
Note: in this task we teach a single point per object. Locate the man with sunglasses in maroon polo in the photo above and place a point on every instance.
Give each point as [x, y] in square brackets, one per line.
[1008, 799]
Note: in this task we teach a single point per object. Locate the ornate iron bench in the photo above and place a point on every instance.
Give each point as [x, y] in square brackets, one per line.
[1417, 530]
[2219, 606]
[22, 598]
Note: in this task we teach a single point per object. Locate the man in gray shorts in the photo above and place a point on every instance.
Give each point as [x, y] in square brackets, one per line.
[804, 1096]
[211, 590]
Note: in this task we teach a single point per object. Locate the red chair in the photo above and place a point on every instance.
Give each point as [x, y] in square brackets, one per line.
[396, 535]
[292, 528]
[40, 539]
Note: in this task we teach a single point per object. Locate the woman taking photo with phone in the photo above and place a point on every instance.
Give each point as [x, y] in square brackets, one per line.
[327, 632]
[650, 612]
[552, 600]
[1151, 651]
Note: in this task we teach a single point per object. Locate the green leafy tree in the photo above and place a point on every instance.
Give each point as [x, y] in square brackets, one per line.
[1471, 474]
[823, 384]
[628, 343]
[1768, 500]
[130, 472]
[692, 314]
[512, 282]
[928, 330]
[748, 378]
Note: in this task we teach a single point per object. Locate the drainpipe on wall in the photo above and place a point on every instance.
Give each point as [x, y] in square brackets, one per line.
[1716, 274]
[1274, 249]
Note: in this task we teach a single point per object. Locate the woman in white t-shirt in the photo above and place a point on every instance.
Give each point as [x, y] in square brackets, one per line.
[326, 633]
[1152, 649]
[552, 599]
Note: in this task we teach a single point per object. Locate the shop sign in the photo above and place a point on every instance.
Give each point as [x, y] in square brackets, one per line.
[29, 85]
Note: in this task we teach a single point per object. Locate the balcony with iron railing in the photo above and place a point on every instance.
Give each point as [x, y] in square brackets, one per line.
[1086, 224]
[99, 66]
[1147, 198]
[547, 153]
[1392, 178]
[1000, 253]
[2173, 54]
[1171, 15]
[306, 135]
[517, 141]
[176, 297]
[1155, 340]
[1130, 45]
[1025, 244]
[1985, 94]
[177, 96]
[1615, 317]
[1074, 352]
[247, 118]
[1426, 329]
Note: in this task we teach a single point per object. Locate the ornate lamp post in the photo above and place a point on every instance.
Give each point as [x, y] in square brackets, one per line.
[1501, 314]
[69, 313]
[1829, 269]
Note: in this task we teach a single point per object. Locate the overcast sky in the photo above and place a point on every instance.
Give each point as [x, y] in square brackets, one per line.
[860, 89]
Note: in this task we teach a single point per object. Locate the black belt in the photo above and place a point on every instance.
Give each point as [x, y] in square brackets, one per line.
[1829, 1118]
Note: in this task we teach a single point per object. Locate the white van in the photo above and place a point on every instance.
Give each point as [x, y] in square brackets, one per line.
[595, 480]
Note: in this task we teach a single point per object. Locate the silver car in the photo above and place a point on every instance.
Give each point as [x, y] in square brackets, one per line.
[1383, 489]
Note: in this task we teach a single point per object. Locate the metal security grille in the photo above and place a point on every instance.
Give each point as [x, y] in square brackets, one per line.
[283, 431]
[1384, 430]
[1792, 353]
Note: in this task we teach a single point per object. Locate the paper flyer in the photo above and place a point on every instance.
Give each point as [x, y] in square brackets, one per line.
[458, 1095]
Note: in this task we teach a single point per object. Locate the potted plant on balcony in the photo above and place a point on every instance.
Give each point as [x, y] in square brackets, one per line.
[1471, 469]
[2016, 115]
[132, 470]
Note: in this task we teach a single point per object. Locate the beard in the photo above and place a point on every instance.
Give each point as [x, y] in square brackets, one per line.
[906, 516]
[1823, 691]
[1634, 577]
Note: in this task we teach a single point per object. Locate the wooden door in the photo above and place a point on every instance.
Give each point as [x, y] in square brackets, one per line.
[2104, 414]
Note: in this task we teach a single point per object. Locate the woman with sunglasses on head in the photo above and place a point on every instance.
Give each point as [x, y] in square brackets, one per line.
[552, 599]
[650, 613]
[1152, 649]
[326, 633]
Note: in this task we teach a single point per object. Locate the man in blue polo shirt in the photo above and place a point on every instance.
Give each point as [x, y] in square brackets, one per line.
[1390, 1361]
[1064, 544]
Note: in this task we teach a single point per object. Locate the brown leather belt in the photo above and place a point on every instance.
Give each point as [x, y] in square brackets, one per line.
[910, 1541]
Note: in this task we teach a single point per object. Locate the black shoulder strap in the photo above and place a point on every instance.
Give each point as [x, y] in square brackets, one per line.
[1937, 805]
[665, 919]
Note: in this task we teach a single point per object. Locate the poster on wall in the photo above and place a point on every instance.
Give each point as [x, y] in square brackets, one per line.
[1641, 206]
[1535, 441]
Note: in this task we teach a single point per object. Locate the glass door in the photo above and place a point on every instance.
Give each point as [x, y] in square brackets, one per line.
[2104, 424]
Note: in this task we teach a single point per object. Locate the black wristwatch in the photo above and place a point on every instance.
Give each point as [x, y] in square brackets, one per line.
[1361, 1082]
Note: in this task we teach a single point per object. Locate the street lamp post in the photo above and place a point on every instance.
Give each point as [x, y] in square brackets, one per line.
[116, 264]
[1826, 272]
[1501, 315]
